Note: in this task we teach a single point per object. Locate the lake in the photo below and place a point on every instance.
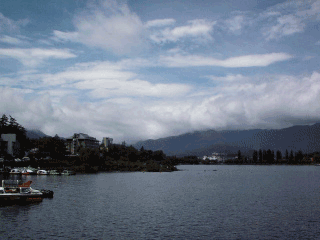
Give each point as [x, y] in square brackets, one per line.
[198, 202]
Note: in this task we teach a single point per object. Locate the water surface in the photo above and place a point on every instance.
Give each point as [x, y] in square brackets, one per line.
[204, 202]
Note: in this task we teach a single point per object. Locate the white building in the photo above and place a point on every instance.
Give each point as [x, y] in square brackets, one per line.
[8, 143]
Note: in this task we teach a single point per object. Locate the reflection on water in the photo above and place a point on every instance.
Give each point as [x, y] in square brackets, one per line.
[206, 202]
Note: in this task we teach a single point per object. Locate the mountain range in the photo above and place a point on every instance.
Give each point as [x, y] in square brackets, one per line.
[35, 134]
[301, 137]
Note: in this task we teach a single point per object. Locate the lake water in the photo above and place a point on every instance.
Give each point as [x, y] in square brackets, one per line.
[200, 202]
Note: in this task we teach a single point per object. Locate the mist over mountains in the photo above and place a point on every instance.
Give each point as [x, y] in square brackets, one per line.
[301, 137]
[200, 143]
[35, 134]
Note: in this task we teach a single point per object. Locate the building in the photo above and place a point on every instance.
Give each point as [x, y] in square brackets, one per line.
[78, 140]
[107, 142]
[9, 144]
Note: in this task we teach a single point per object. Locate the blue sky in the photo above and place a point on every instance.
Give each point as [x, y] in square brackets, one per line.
[134, 70]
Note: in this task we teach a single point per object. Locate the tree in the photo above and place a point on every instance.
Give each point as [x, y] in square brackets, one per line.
[4, 122]
[264, 156]
[159, 156]
[255, 156]
[287, 154]
[269, 156]
[239, 156]
[260, 156]
[279, 155]
[298, 156]
[13, 123]
[291, 157]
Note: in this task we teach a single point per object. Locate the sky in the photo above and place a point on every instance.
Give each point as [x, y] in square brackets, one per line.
[147, 69]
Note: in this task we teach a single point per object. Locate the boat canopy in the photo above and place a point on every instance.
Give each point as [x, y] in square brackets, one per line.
[11, 183]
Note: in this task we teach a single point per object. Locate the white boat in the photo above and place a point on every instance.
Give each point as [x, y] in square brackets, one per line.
[15, 171]
[68, 172]
[54, 172]
[42, 172]
[15, 191]
[27, 171]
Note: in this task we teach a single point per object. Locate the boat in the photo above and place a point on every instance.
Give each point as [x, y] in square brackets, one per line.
[54, 172]
[68, 172]
[27, 171]
[15, 171]
[42, 172]
[15, 191]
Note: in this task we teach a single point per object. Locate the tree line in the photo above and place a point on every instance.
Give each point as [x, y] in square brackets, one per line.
[263, 156]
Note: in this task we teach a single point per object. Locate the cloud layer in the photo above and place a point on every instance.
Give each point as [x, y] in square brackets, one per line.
[131, 72]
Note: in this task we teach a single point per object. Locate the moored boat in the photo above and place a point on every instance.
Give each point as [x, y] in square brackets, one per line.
[15, 191]
[54, 172]
[68, 172]
[42, 172]
[27, 171]
[15, 171]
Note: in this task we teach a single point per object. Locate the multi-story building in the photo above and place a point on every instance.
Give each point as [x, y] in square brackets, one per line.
[78, 140]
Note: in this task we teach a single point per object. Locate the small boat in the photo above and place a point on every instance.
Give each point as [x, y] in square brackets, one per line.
[15, 191]
[54, 172]
[68, 172]
[15, 171]
[27, 171]
[42, 172]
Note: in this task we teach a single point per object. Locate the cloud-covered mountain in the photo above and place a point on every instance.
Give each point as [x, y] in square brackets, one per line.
[35, 134]
[305, 138]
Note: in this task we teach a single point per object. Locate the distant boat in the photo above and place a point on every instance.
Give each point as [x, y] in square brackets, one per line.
[15, 171]
[54, 172]
[42, 172]
[27, 172]
[68, 172]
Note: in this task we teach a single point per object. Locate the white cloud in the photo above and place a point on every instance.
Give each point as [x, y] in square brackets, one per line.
[228, 78]
[258, 60]
[160, 22]
[65, 36]
[236, 23]
[287, 25]
[109, 26]
[279, 102]
[106, 80]
[32, 57]
[274, 102]
[12, 40]
[89, 72]
[110, 88]
[199, 29]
